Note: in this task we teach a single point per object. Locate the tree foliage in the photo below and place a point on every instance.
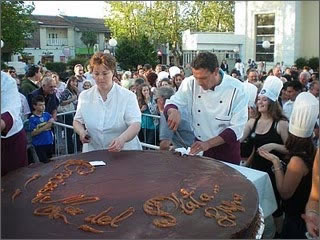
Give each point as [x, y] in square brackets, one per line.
[89, 39]
[16, 25]
[131, 52]
[164, 21]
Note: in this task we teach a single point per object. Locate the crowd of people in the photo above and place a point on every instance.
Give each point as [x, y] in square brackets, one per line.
[267, 121]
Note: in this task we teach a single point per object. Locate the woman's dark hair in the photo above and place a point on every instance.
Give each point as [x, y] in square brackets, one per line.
[174, 80]
[301, 147]
[140, 97]
[71, 88]
[32, 70]
[275, 111]
[152, 78]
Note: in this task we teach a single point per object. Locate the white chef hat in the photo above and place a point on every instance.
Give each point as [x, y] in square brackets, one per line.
[304, 115]
[173, 71]
[252, 92]
[271, 88]
[162, 75]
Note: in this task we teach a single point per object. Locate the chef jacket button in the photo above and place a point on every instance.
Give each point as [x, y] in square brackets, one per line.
[198, 124]
[199, 96]
[220, 101]
[199, 110]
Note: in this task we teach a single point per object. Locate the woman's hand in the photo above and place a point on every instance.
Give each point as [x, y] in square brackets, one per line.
[116, 145]
[312, 222]
[143, 108]
[267, 147]
[269, 156]
[84, 137]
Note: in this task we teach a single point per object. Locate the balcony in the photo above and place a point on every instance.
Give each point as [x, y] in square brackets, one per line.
[57, 42]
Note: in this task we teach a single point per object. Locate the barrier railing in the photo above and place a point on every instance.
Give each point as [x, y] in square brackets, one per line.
[63, 132]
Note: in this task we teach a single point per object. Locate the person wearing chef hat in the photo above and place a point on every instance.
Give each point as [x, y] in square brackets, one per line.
[218, 106]
[268, 131]
[294, 184]
[252, 92]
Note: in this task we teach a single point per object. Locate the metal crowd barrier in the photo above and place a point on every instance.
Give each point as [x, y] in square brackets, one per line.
[61, 141]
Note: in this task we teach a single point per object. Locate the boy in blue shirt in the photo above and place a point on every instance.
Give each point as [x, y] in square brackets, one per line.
[40, 127]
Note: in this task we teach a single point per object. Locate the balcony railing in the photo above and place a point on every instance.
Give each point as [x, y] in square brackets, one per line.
[57, 42]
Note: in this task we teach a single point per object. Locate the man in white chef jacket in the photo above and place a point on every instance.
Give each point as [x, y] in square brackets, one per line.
[218, 105]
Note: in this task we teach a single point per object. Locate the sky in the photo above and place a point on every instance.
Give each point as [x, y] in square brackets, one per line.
[93, 9]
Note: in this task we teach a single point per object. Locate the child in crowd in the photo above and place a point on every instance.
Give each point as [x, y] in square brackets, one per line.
[40, 128]
[86, 85]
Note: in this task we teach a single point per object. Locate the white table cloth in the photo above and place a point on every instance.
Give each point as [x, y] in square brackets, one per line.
[263, 185]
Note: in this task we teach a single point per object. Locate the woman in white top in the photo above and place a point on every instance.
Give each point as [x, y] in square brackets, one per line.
[108, 115]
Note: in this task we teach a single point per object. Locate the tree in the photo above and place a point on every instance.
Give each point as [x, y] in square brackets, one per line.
[164, 21]
[89, 39]
[131, 52]
[16, 25]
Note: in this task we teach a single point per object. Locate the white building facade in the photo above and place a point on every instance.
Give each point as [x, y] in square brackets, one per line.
[291, 27]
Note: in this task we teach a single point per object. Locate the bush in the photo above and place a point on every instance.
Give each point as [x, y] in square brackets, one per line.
[58, 67]
[314, 63]
[301, 62]
[77, 60]
[3, 66]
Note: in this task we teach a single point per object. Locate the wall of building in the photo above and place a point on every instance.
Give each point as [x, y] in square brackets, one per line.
[309, 29]
[296, 28]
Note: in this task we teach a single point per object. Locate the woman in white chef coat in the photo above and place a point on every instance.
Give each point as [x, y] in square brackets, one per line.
[108, 115]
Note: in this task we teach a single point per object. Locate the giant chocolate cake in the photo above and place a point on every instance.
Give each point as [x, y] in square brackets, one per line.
[138, 194]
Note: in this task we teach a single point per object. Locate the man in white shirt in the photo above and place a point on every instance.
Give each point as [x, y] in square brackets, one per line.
[293, 89]
[218, 105]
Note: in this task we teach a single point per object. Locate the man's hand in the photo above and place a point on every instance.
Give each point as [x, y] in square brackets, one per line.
[174, 119]
[198, 146]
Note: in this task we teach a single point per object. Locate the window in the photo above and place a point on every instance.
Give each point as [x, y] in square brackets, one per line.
[265, 29]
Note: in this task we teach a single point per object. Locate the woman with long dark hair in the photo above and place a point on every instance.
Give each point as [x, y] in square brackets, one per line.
[147, 105]
[268, 131]
[294, 184]
[68, 103]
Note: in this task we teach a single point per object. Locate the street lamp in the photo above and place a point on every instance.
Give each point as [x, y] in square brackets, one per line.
[2, 43]
[113, 43]
[236, 50]
[265, 45]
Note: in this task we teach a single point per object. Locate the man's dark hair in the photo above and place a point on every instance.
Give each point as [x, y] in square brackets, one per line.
[139, 81]
[37, 99]
[147, 67]
[32, 70]
[296, 85]
[249, 70]
[206, 60]
[288, 77]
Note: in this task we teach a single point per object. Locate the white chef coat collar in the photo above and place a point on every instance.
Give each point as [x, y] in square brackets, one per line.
[221, 73]
[110, 93]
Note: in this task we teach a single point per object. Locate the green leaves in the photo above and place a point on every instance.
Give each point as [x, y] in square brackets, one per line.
[164, 21]
[89, 39]
[16, 25]
[130, 53]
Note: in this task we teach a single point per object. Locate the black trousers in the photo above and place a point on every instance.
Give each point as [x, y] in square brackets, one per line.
[44, 152]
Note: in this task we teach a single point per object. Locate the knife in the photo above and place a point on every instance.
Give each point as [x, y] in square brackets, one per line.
[181, 140]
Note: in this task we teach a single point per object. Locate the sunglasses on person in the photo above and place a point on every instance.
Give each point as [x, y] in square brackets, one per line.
[12, 71]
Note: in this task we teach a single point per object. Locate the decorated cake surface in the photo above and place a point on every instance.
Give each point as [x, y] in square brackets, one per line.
[138, 194]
